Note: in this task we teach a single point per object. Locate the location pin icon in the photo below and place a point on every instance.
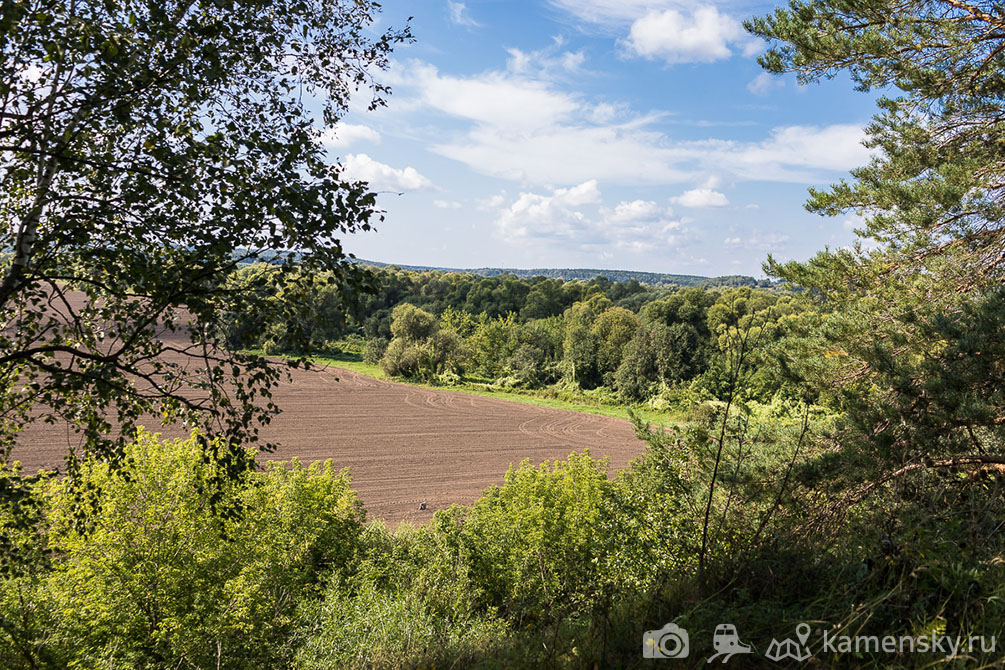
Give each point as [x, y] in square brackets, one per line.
[803, 633]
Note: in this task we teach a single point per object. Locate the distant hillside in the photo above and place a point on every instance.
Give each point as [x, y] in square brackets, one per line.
[651, 278]
[586, 274]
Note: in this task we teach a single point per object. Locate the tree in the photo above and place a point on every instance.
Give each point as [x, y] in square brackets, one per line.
[613, 329]
[637, 371]
[147, 150]
[935, 187]
[412, 324]
[493, 341]
[543, 300]
[907, 340]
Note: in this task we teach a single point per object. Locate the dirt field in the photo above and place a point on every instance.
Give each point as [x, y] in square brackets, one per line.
[405, 445]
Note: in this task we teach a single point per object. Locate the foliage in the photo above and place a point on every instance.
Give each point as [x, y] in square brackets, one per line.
[644, 344]
[934, 185]
[613, 329]
[908, 329]
[420, 348]
[842, 462]
[529, 542]
[158, 579]
[146, 151]
[412, 324]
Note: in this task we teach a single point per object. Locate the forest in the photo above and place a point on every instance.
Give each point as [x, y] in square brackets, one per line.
[831, 459]
[621, 342]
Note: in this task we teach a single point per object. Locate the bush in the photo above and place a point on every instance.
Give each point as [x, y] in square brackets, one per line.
[412, 324]
[157, 578]
[410, 603]
[531, 543]
[401, 359]
[374, 349]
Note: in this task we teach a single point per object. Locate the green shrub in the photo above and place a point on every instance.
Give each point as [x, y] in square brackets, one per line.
[401, 359]
[157, 578]
[410, 603]
[531, 543]
[374, 350]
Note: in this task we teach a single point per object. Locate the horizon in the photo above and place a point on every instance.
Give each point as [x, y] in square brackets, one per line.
[474, 269]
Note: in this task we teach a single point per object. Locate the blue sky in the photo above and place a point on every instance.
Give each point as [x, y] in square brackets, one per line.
[633, 134]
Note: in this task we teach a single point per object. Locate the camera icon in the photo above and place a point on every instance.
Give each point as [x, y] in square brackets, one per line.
[670, 641]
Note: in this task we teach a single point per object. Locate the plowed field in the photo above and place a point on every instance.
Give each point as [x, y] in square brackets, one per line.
[404, 445]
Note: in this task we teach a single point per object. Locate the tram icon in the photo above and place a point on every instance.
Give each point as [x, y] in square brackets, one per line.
[726, 643]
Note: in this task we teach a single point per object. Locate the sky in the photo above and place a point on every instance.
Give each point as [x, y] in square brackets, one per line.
[611, 134]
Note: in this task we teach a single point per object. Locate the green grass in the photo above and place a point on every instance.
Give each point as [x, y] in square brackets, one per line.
[535, 397]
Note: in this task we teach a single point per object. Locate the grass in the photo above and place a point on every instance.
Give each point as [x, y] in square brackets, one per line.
[537, 397]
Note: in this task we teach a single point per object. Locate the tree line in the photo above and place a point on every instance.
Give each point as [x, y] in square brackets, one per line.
[632, 340]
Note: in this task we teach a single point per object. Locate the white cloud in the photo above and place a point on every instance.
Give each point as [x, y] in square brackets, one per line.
[712, 181]
[794, 153]
[678, 31]
[545, 63]
[635, 210]
[459, 14]
[701, 197]
[549, 216]
[759, 240]
[641, 225]
[447, 204]
[764, 83]
[569, 154]
[522, 127]
[628, 153]
[575, 218]
[606, 112]
[704, 36]
[384, 177]
[766, 241]
[345, 134]
[611, 11]
[495, 98]
[490, 203]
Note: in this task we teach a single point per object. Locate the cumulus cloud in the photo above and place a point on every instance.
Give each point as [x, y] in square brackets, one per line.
[676, 31]
[576, 218]
[701, 197]
[345, 134]
[557, 215]
[459, 14]
[447, 204]
[702, 36]
[382, 176]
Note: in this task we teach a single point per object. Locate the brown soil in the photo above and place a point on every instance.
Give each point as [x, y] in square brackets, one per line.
[404, 445]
